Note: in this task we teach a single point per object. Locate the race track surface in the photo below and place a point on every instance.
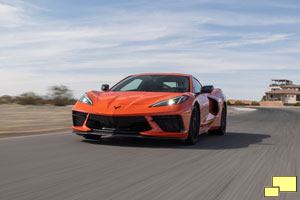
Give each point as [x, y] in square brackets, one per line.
[237, 166]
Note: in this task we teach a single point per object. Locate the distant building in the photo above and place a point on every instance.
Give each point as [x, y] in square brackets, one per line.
[283, 90]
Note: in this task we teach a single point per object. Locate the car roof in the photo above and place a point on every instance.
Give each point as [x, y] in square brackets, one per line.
[174, 74]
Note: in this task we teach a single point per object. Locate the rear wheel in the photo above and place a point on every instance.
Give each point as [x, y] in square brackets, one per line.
[194, 127]
[92, 137]
[222, 129]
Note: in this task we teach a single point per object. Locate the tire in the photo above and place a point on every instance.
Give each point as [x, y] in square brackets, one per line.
[193, 135]
[92, 137]
[222, 129]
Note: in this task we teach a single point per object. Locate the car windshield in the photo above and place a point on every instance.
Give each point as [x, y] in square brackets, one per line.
[154, 83]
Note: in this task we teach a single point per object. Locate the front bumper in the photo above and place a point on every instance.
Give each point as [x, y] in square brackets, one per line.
[162, 126]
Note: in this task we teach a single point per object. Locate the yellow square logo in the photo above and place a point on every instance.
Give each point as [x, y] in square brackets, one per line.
[285, 184]
[271, 191]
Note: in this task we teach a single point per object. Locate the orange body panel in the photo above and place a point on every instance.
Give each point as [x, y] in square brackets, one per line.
[137, 103]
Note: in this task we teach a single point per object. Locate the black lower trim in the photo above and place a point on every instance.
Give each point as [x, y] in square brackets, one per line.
[114, 131]
[107, 133]
[117, 134]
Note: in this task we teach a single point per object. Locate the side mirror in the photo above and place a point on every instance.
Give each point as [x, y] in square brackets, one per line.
[104, 87]
[207, 89]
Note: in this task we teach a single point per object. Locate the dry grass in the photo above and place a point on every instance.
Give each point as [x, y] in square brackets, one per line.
[34, 119]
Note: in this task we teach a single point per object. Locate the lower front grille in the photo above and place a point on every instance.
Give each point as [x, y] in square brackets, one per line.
[78, 118]
[130, 123]
[169, 123]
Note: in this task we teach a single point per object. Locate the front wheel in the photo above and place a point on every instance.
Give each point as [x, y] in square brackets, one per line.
[222, 129]
[194, 127]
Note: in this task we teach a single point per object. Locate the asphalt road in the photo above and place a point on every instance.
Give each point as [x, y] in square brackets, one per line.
[237, 166]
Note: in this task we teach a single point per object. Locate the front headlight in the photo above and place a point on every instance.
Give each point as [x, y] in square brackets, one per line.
[173, 101]
[85, 99]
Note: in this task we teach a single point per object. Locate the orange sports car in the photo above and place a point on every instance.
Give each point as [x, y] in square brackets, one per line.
[151, 105]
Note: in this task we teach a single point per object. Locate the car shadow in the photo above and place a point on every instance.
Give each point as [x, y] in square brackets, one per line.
[231, 140]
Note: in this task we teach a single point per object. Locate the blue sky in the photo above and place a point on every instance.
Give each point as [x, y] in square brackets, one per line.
[236, 45]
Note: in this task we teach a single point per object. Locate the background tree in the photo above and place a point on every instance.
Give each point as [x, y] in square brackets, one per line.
[61, 95]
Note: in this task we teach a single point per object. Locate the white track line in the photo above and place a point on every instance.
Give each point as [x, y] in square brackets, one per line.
[243, 109]
[29, 136]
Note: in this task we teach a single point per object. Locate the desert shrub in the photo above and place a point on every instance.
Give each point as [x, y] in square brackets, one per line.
[255, 103]
[297, 104]
[61, 102]
[5, 99]
[61, 96]
[29, 98]
[239, 103]
[228, 103]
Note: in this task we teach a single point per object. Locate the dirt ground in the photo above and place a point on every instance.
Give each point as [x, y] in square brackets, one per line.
[18, 119]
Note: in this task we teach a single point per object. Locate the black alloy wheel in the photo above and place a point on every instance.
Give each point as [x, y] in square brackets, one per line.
[194, 127]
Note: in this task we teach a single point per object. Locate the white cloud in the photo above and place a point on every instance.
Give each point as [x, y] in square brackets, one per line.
[259, 40]
[10, 16]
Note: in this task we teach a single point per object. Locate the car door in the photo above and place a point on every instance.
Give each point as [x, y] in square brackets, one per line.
[203, 101]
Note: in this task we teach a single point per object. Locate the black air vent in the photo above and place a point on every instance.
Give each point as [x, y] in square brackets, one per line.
[78, 118]
[130, 123]
[169, 123]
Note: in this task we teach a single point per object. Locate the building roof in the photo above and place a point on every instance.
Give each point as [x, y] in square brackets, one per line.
[284, 92]
[282, 80]
[290, 86]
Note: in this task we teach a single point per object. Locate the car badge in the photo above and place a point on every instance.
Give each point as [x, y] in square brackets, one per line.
[116, 107]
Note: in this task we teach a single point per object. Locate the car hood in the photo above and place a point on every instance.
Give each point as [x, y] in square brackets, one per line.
[128, 102]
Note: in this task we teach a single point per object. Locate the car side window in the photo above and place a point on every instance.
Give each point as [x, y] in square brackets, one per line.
[196, 86]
